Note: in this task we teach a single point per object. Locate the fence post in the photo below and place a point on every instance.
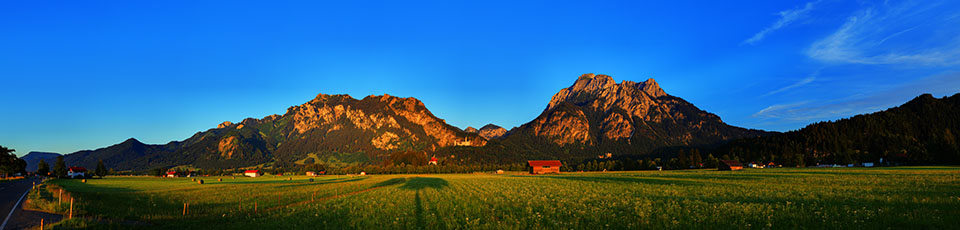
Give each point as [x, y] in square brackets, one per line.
[60, 198]
[184, 209]
[71, 208]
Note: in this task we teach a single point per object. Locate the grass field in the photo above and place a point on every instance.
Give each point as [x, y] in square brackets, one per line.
[808, 198]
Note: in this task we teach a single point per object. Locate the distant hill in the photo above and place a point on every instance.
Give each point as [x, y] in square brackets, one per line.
[34, 158]
[922, 131]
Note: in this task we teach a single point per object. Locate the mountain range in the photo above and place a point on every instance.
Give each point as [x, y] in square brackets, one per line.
[595, 116]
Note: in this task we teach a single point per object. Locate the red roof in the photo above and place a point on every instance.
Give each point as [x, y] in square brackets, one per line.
[251, 171]
[732, 163]
[544, 163]
[171, 172]
[76, 169]
[433, 159]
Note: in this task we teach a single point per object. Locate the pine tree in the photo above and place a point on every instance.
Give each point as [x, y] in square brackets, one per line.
[60, 168]
[43, 168]
[101, 170]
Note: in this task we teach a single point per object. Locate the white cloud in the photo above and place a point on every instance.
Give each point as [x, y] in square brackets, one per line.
[802, 82]
[906, 33]
[776, 111]
[786, 18]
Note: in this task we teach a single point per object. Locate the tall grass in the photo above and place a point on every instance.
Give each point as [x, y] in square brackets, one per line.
[916, 197]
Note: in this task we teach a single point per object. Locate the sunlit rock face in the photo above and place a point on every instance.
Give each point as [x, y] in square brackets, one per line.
[491, 131]
[391, 122]
[470, 129]
[596, 110]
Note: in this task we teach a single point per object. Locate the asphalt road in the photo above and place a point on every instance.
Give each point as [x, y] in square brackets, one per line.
[12, 198]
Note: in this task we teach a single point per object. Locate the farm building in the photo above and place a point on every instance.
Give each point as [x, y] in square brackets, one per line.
[311, 173]
[544, 167]
[730, 165]
[76, 172]
[433, 161]
[252, 173]
[172, 174]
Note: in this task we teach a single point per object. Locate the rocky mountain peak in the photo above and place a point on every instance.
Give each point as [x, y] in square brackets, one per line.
[470, 129]
[591, 82]
[596, 110]
[324, 98]
[589, 87]
[491, 131]
[405, 103]
[651, 87]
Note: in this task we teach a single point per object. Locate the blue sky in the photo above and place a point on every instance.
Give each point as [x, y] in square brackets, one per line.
[84, 75]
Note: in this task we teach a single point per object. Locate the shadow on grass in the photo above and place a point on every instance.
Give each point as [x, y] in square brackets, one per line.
[390, 182]
[641, 180]
[338, 180]
[420, 183]
[303, 183]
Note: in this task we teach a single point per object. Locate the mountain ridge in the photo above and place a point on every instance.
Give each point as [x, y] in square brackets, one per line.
[594, 115]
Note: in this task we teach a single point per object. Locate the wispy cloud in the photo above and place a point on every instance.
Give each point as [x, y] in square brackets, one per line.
[776, 111]
[905, 33]
[786, 18]
[802, 82]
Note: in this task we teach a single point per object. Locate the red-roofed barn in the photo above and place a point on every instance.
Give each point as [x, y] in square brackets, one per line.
[544, 167]
[730, 166]
[252, 173]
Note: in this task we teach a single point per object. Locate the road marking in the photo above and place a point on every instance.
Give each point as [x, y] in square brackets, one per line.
[13, 209]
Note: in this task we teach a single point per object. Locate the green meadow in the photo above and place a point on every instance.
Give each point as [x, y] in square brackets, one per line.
[806, 198]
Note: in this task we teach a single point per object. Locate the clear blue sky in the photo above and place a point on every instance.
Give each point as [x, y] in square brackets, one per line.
[83, 75]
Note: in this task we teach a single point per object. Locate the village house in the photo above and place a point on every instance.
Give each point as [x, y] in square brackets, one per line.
[433, 161]
[730, 166]
[76, 172]
[544, 167]
[252, 173]
[311, 173]
[171, 173]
